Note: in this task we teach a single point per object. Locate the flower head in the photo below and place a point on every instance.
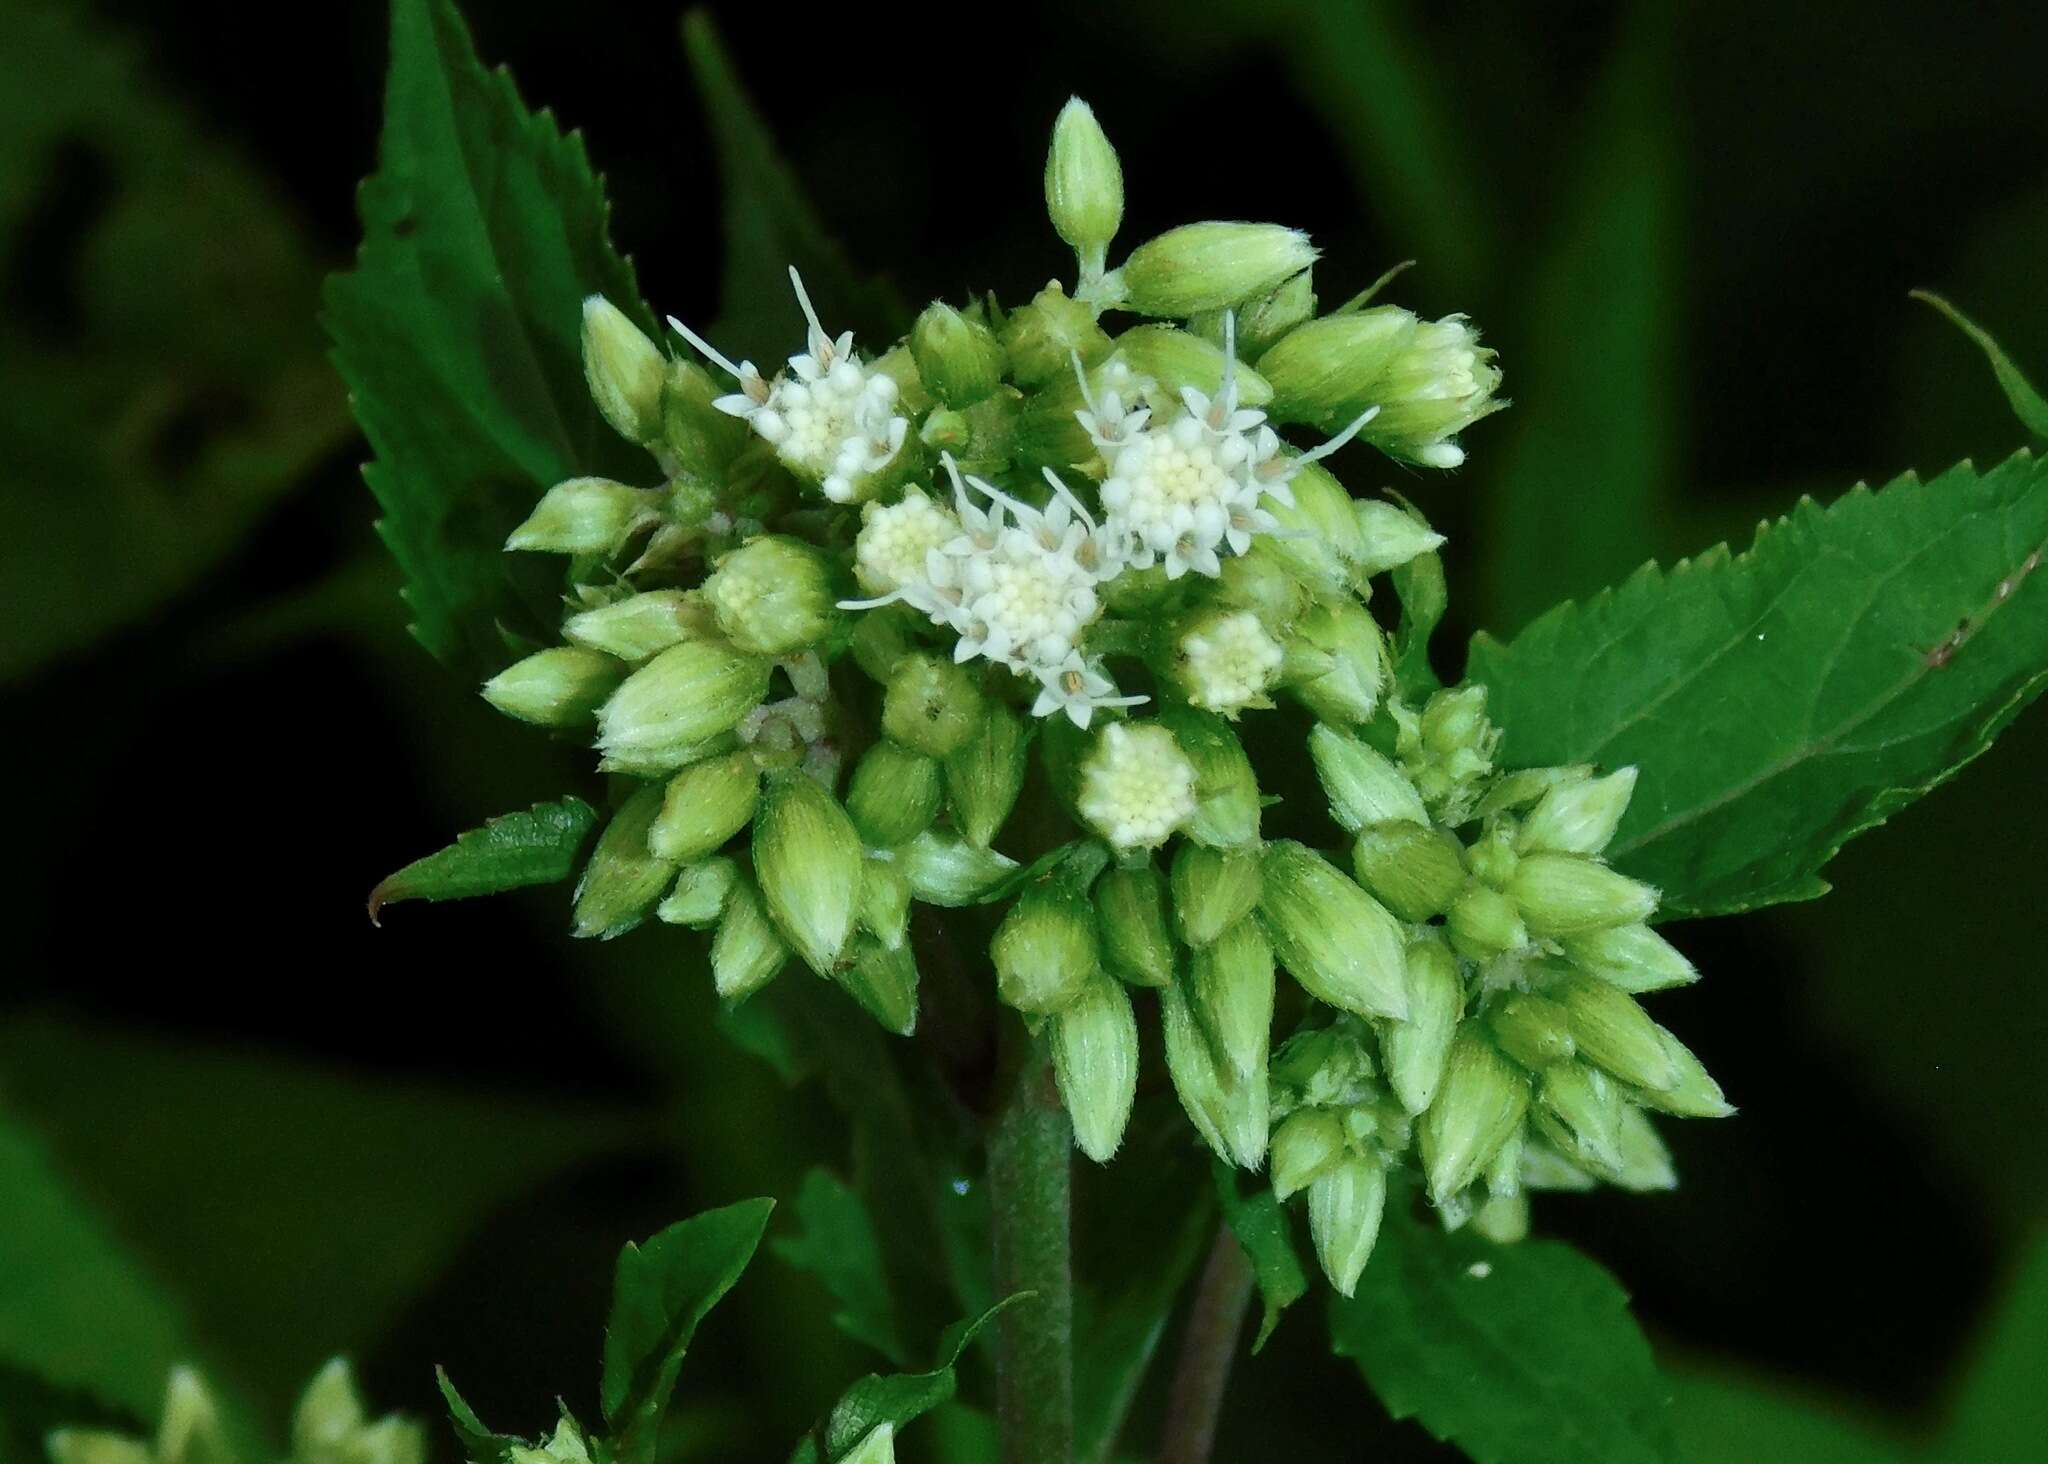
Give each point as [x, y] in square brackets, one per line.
[1137, 786]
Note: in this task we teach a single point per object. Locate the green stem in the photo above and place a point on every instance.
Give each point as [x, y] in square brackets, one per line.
[1209, 1345]
[1031, 1199]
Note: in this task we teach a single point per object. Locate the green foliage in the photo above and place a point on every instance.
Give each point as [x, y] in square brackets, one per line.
[2027, 403]
[1261, 1226]
[1519, 1354]
[458, 330]
[1727, 1420]
[536, 847]
[837, 1244]
[1784, 700]
[895, 1398]
[2001, 1410]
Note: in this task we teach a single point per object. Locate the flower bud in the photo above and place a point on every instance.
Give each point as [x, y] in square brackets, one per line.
[876, 1446]
[1305, 1144]
[1084, 185]
[329, 1413]
[946, 870]
[932, 705]
[624, 877]
[1208, 266]
[1137, 786]
[1262, 322]
[1345, 1204]
[748, 951]
[1578, 817]
[884, 981]
[1318, 537]
[1525, 787]
[1177, 359]
[1491, 857]
[960, 359]
[1503, 1219]
[702, 440]
[705, 804]
[1223, 660]
[1257, 581]
[1326, 1067]
[985, 774]
[190, 1431]
[1563, 894]
[1390, 536]
[1614, 1033]
[95, 1446]
[774, 595]
[882, 638]
[1363, 786]
[1478, 1107]
[1483, 923]
[1645, 1162]
[1414, 870]
[699, 895]
[1043, 337]
[1534, 1030]
[562, 686]
[1417, 1048]
[1230, 1113]
[665, 711]
[1227, 803]
[1046, 950]
[1130, 905]
[1632, 957]
[808, 857]
[640, 626]
[1693, 1093]
[1230, 989]
[1213, 889]
[894, 794]
[1337, 942]
[885, 901]
[1588, 1106]
[1325, 364]
[1095, 1060]
[625, 371]
[1342, 680]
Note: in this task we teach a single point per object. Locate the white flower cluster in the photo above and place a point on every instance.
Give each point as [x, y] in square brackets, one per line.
[1138, 786]
[1229, 663]
[831, 419]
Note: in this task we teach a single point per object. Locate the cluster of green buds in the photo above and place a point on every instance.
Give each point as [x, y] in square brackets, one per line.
[329, 1426]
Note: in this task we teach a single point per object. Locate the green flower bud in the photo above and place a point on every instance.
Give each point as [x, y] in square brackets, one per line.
[1563, 894]
[1325, 364]
[566, 1445]
[960, 359]
[1345, 1204]
[683, 698]
[701, 439]
[329, 1426]
[1084, 185]
[1325, 1067]
[1095, 1060]
[1526, 786]
[1230, 1113]
[1257, 581]
[1305, 1145]
[1587, 1106]
[775, 595]
[1483, 923]
[190, 1431]
[985, 774]
[624, 877]
[1227, 803]
[1417, 1049]
[1130, 905]
[1616, 1034]
[1632, 957]
[1693, 1093]
[1262, 322]
[1390, 536]
[1492, 858]
[808, 858]
[705, 804]
[946, 870]
[1578, 817]
[641, 625]
[1177, 359]
[1043, 337]
[95, 1446]
[1318, 539]
[748, 951]
[1230, 989]
[1414, 870]
[1223, 660]
[1207, 266]
[1478, 1107]
[625, 371]
[1338, 942]
[1363, 786]
[884, 981]
[1213, 889]
[699, 894]
[1046, 950]
[885, 901]
[876, 1446]
[562, 686]
[1645, 1162]
[1346, 664]
[894, 794]
[1534, 1030]
[932, 705]
[882, 638]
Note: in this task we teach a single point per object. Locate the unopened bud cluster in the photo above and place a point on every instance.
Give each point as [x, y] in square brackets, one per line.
[329, 1426]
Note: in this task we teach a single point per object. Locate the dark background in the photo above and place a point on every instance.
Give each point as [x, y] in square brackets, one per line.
[1690, 235]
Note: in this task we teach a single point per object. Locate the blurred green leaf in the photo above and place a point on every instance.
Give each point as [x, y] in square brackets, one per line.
[2001, 1411]
[662, 1290]
[458, 332]
[1783, 701]
[1724, 1419]
[160, 379]
[1260, 1224]
[2027, 403]
[1519, 1354]
[538, 846]
[1593, 449]
[30, 1408]
[837, 1244]
[895, 1399]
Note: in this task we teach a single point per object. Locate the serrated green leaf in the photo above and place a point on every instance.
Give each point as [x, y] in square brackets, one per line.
[2027, 403]
[1260, 1224]
[1518, 1354]
[896, 1398]
[837, 1244]
[1780, 702]
[662, 1290]
[458, 332]
[770, 226]
[538, 846]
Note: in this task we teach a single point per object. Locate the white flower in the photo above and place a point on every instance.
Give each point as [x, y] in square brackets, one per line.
[895, 540]
[1137, 786]
[1229, 662]
[1076, 688]
[1108, 422]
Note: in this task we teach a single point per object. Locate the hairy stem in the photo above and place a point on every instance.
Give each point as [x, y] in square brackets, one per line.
[1208, 1347]
[1030, 1197]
